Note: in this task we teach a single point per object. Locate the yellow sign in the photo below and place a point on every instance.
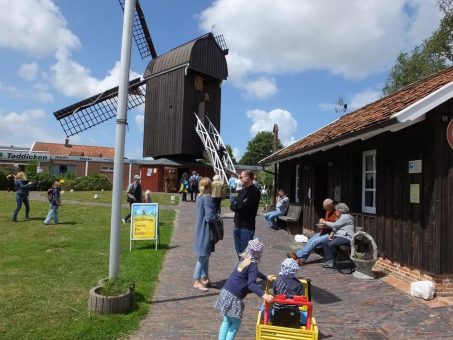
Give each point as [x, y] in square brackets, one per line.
[144, 221]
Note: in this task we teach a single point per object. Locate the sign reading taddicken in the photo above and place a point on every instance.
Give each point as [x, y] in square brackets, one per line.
[26, 156]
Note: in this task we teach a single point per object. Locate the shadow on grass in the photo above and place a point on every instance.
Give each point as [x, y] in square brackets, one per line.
[202, 295]
[160, 246]
[67, 223]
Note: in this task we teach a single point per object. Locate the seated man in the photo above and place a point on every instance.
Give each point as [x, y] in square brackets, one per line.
[280, 209]
[331, 215]
[342, 233]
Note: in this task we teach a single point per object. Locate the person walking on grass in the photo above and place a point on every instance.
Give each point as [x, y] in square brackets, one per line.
[241, 282]
[55, 202]
[134, 195]
[22, 187]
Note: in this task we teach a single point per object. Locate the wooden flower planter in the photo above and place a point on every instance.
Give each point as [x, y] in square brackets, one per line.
[109, 304]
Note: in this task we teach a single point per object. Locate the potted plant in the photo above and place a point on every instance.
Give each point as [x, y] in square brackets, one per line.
[113, 295]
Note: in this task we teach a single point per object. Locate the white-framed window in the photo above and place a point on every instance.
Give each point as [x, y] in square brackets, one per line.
[107, 168]
[369, 181]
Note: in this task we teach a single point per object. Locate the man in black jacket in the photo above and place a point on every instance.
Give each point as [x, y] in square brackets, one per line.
[245, 207]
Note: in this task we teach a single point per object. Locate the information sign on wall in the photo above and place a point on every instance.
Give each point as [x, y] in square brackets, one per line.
[415, 167]
[414, 195]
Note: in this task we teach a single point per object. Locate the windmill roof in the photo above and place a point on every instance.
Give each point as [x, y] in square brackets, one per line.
[405, 105]
[74, 150]
[193, 54]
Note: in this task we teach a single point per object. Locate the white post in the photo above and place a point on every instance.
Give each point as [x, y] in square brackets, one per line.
[120, 135]
[86, 168]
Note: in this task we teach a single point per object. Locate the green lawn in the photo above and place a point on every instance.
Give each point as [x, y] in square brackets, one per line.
[106, 197]
[47, 271]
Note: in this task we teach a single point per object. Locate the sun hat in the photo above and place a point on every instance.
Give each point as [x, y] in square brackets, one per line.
[137, 177]
[254, 248]
[289, 267]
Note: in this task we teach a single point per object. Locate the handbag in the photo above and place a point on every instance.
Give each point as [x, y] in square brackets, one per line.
[216, 230]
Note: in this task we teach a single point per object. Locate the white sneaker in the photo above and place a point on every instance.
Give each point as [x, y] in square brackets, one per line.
[123, 220]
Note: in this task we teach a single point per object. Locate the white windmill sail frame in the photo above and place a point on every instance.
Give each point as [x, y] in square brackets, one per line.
[212, 147]
[226, 159]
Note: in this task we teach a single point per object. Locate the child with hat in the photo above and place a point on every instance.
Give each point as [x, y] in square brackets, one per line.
[241, 282]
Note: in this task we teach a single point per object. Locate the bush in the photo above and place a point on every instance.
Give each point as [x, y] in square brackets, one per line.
[42, 181]
[3, 173]
[88, 183]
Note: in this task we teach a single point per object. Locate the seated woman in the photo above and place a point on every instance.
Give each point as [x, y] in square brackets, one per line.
[342, 233]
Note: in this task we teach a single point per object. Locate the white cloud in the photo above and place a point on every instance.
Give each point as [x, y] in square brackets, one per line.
[363, 98]
[36, 27]
[75, 80]
[39, 92]
[351, 38]
[237, 153]
[23, 128]
[264, 121]
[139, 121]
[326, 107]
[28, 71]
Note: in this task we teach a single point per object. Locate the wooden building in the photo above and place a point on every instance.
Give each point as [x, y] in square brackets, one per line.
[184, 81]
[392, 162]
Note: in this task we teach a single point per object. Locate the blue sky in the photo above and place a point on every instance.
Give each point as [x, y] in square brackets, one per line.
[289, 61]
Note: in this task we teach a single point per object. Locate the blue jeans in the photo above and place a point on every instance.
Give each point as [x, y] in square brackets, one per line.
[229, 328]
[242, 237]
[19, 200]
[201, 268]
[271, 217]
[53, 213]
[316, 240]
[330, 246]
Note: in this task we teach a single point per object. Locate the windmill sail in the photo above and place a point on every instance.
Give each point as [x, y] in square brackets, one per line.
[99, 108]
[141, 33]
[217, 152]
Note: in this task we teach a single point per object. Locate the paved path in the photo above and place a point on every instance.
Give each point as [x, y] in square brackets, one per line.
[344, 307]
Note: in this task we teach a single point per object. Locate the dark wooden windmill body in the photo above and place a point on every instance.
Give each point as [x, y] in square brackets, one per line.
[184, 81]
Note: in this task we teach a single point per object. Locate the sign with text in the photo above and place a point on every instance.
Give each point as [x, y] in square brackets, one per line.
[415, 167]
[414, 194]
[24, 155]
[144, 222]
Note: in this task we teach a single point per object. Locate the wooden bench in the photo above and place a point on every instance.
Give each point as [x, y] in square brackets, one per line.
[292, 219]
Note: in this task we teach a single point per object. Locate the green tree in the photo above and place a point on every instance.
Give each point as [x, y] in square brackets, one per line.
[433, 55]
[230, 152]
[259, 147]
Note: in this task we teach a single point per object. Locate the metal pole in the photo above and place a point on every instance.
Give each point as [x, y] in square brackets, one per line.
[121, 121]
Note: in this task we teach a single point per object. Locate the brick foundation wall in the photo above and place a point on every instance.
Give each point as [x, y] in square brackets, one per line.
[444, 283]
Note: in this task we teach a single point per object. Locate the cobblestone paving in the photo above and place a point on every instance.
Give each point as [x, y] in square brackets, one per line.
[344, 307]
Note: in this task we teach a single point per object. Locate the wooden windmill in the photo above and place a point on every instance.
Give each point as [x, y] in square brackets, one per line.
[181, 90]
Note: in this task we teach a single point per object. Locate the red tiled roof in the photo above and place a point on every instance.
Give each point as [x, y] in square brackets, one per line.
[368, 116]
[74, 150]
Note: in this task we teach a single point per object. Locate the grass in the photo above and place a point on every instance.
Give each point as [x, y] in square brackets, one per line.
[47, 271]
[106, 197]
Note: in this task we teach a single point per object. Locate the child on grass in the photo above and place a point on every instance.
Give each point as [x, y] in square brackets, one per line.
[241, 282]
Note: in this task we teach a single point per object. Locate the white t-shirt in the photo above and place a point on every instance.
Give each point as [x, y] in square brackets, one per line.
[238, 184]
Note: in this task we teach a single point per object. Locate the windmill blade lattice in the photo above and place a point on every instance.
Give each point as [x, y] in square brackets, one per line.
[141, 33]
[99, 108]
[212, 141]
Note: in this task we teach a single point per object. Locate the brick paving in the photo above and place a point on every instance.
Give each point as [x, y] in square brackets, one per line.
[344, 307]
